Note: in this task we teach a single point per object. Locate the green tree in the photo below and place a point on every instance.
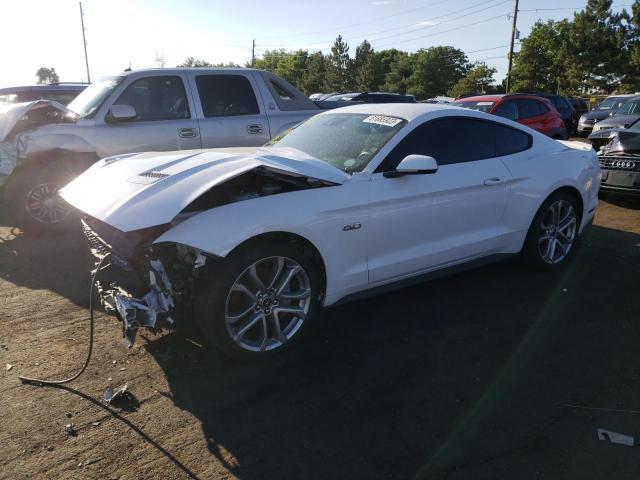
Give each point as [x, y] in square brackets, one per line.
[47, 75]
[340, 69]
[192, 62]
[395, 67]
[364, 66]
[540, 65]
[475, 81]
[314, 79]
[436, 70]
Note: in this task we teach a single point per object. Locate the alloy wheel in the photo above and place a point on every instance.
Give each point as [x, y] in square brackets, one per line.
[557, 232]
[267, 304]
[43, 203]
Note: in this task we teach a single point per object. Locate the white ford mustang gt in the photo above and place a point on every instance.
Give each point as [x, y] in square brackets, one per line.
[252, 241]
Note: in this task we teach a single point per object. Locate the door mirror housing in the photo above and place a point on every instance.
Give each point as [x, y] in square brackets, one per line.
[121, 113]
[414, 165]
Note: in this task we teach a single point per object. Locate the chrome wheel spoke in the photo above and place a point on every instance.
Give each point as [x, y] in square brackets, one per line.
[291, 272]
[233, 318]
[277, 328]
[551, 249]
[279, 266]
[289, 309]
[247, 326]
[242, 288]
[298, 295]
[253, 275]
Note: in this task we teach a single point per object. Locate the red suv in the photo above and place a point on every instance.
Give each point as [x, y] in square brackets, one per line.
[530, 110]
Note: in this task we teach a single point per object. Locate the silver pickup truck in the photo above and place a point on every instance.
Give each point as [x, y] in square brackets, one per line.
[43, 144]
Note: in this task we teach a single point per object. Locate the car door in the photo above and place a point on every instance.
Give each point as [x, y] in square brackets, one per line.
[229, 113]
[422, 222]
[164, 120]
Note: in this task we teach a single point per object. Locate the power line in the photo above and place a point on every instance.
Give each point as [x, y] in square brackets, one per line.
[359, 23]
[502, 15]
[372, 35]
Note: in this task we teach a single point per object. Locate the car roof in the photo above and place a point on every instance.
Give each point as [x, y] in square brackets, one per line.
[75, 87]
[407, 111]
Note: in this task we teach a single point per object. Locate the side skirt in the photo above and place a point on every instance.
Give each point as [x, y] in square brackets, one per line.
[423, 277]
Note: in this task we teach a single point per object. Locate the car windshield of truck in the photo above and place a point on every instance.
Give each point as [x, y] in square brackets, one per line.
[629, 108]
[347, 141]
[611, 103]
[89, 101]
[480, 105]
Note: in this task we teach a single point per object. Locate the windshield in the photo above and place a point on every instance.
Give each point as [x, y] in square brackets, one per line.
[480, 105]
[86, 104]
[629, 108]
[347, 141]
[611, 103]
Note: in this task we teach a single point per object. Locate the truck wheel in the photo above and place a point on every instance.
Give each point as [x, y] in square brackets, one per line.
[258, 301]
[32, 199]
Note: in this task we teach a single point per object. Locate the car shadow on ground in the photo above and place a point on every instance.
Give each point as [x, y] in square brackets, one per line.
[632, 202]
[52, 257]
[456, 378]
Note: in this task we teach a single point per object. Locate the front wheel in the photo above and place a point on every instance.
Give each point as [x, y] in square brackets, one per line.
[553, 232]
[258, 301]
[33, 200]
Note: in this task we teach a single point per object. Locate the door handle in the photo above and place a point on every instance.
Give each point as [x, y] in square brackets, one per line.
[188, 132]
[254, 129]
[493, 181]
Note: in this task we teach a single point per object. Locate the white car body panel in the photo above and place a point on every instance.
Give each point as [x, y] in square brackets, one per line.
[369, 230]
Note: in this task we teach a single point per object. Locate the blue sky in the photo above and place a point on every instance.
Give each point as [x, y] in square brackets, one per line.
[136, 32]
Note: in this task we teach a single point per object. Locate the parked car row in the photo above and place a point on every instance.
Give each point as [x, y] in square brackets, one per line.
[531, 110]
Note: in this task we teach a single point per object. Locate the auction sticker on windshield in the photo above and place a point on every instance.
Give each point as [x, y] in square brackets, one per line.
[382, 120]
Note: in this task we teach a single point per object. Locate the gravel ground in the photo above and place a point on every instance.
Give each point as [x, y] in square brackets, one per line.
[459, 378]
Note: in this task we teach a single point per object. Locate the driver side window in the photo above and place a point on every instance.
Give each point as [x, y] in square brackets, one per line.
[156, 98]
[448, 140]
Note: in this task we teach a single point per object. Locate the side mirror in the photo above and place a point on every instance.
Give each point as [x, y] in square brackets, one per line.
[122, 113]
[414, 165]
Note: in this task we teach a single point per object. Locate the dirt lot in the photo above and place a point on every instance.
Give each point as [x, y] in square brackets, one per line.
[460, 378]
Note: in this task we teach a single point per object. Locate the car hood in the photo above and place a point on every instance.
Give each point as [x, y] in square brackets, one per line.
[596, 114]
[618, 121]
[135, 191]
[16, 117]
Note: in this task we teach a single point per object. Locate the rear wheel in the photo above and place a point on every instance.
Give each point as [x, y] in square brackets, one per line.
[553, 232]
[259, 300]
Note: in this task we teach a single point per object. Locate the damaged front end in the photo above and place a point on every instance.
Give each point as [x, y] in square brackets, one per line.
[620, 162]
[144, 285]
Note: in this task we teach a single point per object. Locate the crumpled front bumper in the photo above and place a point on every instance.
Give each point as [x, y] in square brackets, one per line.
[139, 292]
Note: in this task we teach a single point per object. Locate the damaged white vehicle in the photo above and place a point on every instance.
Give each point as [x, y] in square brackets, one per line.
[252, 241]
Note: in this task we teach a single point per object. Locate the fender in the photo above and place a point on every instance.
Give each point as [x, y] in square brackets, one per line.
[220, 230]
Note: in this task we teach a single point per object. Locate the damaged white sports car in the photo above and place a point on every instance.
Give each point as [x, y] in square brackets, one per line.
[252, 241]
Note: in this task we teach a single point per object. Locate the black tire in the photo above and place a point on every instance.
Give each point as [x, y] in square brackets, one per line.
[26, 189]
[531, 251]
[214, 288]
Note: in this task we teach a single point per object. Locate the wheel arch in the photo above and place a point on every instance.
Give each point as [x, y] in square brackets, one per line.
[289, 237]
[574, 193]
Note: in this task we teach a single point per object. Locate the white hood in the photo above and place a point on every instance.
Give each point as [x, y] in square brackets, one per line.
[135, 191]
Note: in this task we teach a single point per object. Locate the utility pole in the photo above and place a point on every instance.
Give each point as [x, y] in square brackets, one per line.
[253, 53]
[513, 37]
[84, 42]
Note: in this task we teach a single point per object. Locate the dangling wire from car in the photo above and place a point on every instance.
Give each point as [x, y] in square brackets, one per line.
[43, 383]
